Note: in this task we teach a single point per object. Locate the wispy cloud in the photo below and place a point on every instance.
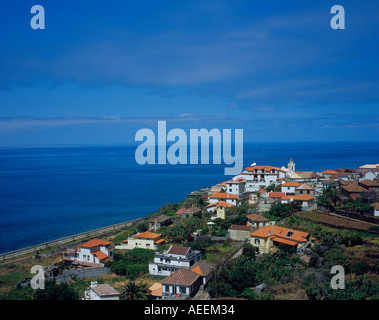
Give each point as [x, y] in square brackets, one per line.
[30, 123]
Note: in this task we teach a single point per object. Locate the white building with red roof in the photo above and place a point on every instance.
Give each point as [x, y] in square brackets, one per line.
[144, 240]
[181, 283]
[92, 251]
[174, 258]
[236, 186]
[267, 237]
[257, 177]
[225, 197]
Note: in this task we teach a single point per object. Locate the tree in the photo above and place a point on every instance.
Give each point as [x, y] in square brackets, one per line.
[283, 209]
[134, 291]
[330, 198]
[141, 226]
[359, 289]
[54, 291]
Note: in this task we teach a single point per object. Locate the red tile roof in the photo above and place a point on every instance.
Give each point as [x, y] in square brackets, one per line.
[276, 194]
[309, 175]
[354, 188]
[265, 168]
[369, 183]
[238, 227]
[192, 210]
[285, 241]
[94, 242]
[300, 197]
[276, 232]
[291, 184]
[180, 211]
[178, 250]
[328, 172]
[147, 235]
[305, 186]
[182, 276]
[257, 217]
[223, 204]
[100, 255]
[224, 195]
[156, 289]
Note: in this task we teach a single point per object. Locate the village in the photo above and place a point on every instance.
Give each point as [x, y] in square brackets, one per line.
[265, 216]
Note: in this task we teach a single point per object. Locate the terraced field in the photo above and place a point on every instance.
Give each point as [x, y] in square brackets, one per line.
[334, 221]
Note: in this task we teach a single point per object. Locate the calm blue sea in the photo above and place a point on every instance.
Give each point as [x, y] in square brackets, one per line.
[51, 192]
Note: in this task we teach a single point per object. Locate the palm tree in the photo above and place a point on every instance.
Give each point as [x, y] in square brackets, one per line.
[330, 197]
[134, 291]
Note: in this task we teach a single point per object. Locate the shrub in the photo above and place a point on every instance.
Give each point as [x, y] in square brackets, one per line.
[360, 268]
[133, 263]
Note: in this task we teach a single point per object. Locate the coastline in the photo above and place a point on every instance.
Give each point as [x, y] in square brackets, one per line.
[306, 158]
[71, 240]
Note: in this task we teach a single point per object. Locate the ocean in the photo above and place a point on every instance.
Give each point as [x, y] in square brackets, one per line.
[51, 192]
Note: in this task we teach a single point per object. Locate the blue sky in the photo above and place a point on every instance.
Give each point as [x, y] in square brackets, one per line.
[101, 71]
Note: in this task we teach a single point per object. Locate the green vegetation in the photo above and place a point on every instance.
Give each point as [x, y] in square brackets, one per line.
[281, 210]
[359, 289]
[330, 198]
[328, 237]
[131, 264]
[333, 199]
[133, 291]
[179, 232]
[285, 274]
[236, 277]
[54, 291]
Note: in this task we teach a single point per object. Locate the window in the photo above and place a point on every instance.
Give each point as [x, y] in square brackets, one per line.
[256, 241]
[182, 289]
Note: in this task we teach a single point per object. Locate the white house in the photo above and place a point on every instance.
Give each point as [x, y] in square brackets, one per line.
[174, 258]
[290, 187]
[92, 251]
[257, 220]
[226, 197]
[144, 240]
[220, 210]
[257, 177]
[375, 209]
[305, 188]
[101, 292]
[239, 232]
[370, 175]
[237, 186]
[306, 200]
[181, 283]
